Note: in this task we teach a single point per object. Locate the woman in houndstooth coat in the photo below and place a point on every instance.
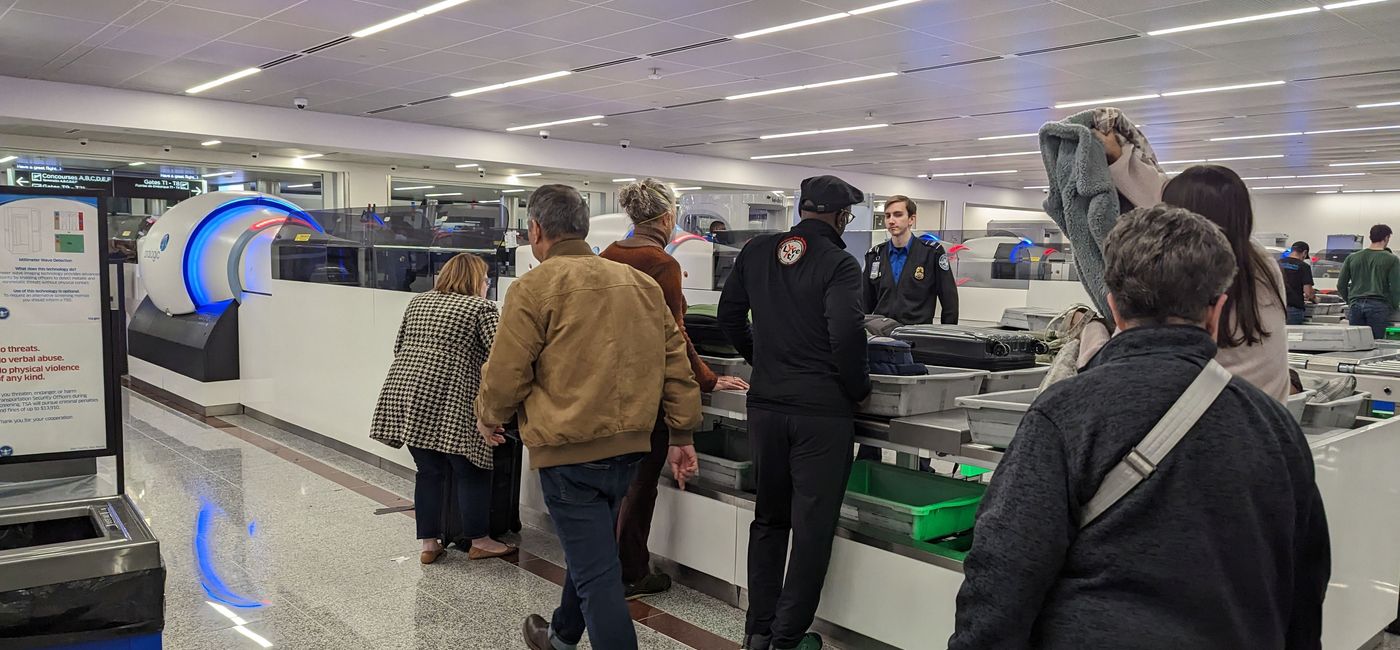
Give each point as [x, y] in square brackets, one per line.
[428, 399]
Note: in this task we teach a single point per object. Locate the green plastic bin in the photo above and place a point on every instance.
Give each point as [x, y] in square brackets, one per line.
[919, 504]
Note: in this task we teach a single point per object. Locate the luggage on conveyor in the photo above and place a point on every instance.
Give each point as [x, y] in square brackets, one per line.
[970, 347]
[505, 494]
[702, 326]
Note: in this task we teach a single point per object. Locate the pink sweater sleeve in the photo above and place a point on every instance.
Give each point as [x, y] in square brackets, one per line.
[1140, 182]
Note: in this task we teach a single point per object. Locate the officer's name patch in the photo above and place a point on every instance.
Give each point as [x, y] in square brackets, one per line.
[791, 250]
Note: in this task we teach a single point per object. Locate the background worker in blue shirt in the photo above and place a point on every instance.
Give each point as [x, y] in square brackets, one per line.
[1297, 283]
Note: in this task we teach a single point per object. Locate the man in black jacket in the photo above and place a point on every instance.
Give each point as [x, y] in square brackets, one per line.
[907, 277]
[807, 349]
[1223, 546]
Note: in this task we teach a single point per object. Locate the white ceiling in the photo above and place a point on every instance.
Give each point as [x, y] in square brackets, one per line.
[1099, 50]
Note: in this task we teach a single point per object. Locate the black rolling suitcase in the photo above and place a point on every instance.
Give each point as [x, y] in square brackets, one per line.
[505, 495]
[971, 347]
[702, 326]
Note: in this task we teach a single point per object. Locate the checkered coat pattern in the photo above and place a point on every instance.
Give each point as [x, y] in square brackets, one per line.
[429, 396]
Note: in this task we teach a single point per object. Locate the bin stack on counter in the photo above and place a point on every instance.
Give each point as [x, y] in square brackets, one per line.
[1349, 378]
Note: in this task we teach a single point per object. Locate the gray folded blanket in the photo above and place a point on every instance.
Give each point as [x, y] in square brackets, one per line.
[1082, 199]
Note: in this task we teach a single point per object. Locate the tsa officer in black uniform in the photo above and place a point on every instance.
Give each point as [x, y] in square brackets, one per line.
[906, 277]
[807, 348]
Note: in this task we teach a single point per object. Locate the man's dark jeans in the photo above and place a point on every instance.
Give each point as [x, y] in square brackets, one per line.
[1370, 312]
[583, 500]
[1296, 315]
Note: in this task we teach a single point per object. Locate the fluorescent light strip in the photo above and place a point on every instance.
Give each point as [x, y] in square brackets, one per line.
[687, 189]
[528, 175]
[298, 186]
[135, 164]
[1008, 137]
[217, 174]
[822, 131]
[1216, 89]
[802, 153]
[414, 187]
[466, 165]
[1366, 164]
[8, 159]
[511, 191]
[1361, 191]
[1351, 3]
[624, 180]
[1324, 132]
[823, 19]
[222, 80]
[1295, 187]
[1234, 21]
[210, 143]
[445, 194]
[883, 75]
[1256, 137]
[555, 123]
[988, 155]
[1107, 100]
[1214, 160]
[1037, 187]
[511, 84]
[1380, 105]
[408, 17]
[1002, 171]
[493, 201]
[310, 156]
[1274, 178]
[898, 3]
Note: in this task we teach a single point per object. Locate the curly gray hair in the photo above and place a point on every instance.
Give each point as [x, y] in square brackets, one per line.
[1163, 262]
[646, 199]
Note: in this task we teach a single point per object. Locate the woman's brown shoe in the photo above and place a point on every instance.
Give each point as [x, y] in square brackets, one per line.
[429, 557]
[479, 554]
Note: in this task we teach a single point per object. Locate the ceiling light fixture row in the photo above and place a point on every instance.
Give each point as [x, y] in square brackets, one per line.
[957, 174]
[1216, 160]
[800, 153]
[1293, 133]
[1175, 93]
[1270, 178]
[988, 155]
[827, 18]
[1295, 187]
[555, 123]
[1258, 17]
[843, 129]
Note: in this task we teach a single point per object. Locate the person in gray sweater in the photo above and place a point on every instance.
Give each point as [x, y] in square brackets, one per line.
[1224, 546]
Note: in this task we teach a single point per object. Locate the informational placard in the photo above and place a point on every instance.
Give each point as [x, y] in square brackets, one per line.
[77, 180]
[56, 384]
[157, 188]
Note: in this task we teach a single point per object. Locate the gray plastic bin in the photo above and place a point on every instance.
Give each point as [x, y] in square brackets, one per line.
[1034, 319]
[1337, 414]
[993, 418]
[725, 458]
[735, 367]
[1296, 402]
[1329, 338]
[897, 396]
[1000, 381]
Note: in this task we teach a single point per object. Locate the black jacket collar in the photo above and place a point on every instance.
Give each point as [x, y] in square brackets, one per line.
[819, 228]
[1186, 342]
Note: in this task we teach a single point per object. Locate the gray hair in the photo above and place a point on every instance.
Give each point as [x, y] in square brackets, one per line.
[646, 200]
[560, 212]
[1164, 262]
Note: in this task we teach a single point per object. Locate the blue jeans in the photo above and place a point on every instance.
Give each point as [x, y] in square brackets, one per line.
[583, 501]
[1370, 312]
[472, 486]
[1296, 316]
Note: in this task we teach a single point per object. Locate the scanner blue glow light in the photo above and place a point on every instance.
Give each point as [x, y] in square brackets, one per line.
[1016, 250]
[209, 227]
[209, 578]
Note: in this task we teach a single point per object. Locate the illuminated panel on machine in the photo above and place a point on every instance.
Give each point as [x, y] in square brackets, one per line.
[209, 227]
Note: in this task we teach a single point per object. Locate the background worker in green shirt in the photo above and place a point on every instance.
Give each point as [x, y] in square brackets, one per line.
[1370, 283]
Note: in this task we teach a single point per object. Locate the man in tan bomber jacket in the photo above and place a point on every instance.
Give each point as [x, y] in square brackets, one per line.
[586, 353]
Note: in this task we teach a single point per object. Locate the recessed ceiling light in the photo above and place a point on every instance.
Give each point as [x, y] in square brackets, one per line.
[1107, 100]
[210, 143]
[495, 201]
[1217, 89]
[7, 159]
[410, 16]
[822, 131]
[511, 191]
[953, 174]
[299, 185]
[1360, 191]
[445, 194]
[1323, 132]
[687, 189]
[217, 174]
[1380, 105]
[1364, 164]
[222, 80]
[624, 180]
[528, 175]
[1351, 3]
[827, 18]
[1262, 178]
[1037, 187]
[1008, 137]
[988, 155]
[309, 156]
[882, 5]
[1214, 160]
[511, 84]
[800, 153]
[414, 187]
[1295, 187]
[1256, 137]
[466, 165]
[1234, 21]
[554, 123]
[883, 75]
[135, 164]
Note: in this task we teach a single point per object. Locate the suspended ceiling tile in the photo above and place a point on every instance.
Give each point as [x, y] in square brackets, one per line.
[280, 35]
[670, 9]
[243, 56]
[776, 68]
[1112, 8]
[342, 16]
[434, 32]
[618, 91]
[502, 71]
[592, 21]
[755, 15]
[1057, 37]
[374, 101]
[369, 52]
[1172, 14]
[711, 83]
[155, 43]
[854, 28]
[176, 76]
[516, 13]
[119, 63]
[654, 37]
[441, 62]
[568, 57]
[384, 76]
[721, 54]
[103, 11]
[38, 36]
[251, 8]
[194, 23]
[510, 45]
[17, 66]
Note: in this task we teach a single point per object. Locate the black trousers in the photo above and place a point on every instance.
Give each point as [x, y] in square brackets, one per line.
[802, 463]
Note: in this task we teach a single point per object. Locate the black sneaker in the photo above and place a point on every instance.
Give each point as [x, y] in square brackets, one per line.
[651, 585]
[757, 642]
